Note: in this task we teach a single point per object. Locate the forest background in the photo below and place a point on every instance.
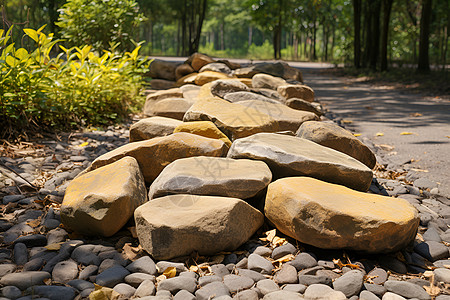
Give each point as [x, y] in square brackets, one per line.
[371, 34]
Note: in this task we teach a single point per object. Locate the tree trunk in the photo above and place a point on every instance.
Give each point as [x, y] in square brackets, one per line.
[375, 33]
[425, 18]
[368, 41]
[387, 6]
[357, 28]
[314, 53]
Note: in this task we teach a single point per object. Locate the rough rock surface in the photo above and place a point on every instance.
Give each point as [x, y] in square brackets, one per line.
[177, 225]
[101, 202]
[152, 127]
[291, 156]
[203, 128]
[267, 81]
[296, 91]
[236, 178]
[331, 216]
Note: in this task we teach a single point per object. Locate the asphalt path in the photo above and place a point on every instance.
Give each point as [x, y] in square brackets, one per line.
[409, 131]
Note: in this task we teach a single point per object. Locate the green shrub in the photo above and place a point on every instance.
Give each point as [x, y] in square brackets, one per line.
[99, 22]
[82, 89]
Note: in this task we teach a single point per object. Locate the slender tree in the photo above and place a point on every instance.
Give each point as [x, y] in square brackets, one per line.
[425, 18]
[387, 6]
[357, 33]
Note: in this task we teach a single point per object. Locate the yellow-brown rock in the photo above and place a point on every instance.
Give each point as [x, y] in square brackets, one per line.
[234, 120]
[183, 70]
[208, 76]
[198, 60]
[174, 108]
[205, 91]
[296, 91]
[164, 94]
[152, 127]
[331, 216]
[101, 202]
[188, 79]
[154, 154]
[203, 128]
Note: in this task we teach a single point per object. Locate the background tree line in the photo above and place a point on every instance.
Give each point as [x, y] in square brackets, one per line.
[365, 33]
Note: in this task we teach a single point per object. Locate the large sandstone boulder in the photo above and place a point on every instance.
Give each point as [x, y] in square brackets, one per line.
[335, 137]
[205, 91]
[213, 176]
[183, 70]
[232, 119]
[187, 79]
[152, 127]
[287, 118]
[220, 88]
[164, 94]
[101, 202]
[216, 67]
[300, 104]
[280, 69]
[178, 225]
[296, 91]
[331, 216]
[162, 69]
[267, 81]
[203, 128]
[154, 154]
[198, 60]
[292, 156]
[174, 108]
[243, 96]
[209, 76]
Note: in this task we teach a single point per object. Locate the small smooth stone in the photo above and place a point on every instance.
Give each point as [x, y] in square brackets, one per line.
[220, 270]
[442, 275]
[12, 292]
[377, 275]
[312, 279]
[65, 271]
[328, 273]
[223, 298]
[321, 291]
[237, 283]
[432, 250]
[213, 289]
[442, 263]
[143, 265]
[350, 283]
[87, 272]
[251, 274]
[406, 289]
[392, 296]
[175, 284]
[285, 295]
[24, 280]
[204, 280]
[6, 269]
[53, 292]
[146, 288]
[12, 198]
[34, 264]
[378, 290]
[163, 265]
[57, 235]
[184, 295]
[366, 295]
[263, 251]
[135, 279]
[125, 289]
[242, 264]
[81, 285]
[393, 264]
[230, 259]
[326, 264]
[246, 295]
[287, 275]
[267, 286]
[20, 254]
[310, 271]
[303, 261]
[106, 264]
[443, 297]
[34, 240]
[296, 288]
[111, 276]
[259, 264]
[431, 235]
[283, 250]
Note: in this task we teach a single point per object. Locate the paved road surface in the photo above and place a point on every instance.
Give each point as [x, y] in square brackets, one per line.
[376, 109]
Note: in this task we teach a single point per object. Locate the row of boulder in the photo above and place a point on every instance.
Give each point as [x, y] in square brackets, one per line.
[217, 156]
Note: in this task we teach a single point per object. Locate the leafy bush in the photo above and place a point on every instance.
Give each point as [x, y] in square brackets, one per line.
[82, 89]
[99, 22]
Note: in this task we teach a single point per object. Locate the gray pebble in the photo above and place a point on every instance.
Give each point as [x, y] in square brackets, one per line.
[283, 250]
[377, 275]
[11, 292]
[81, 285]
[161, 266]
[6, 269]
[56, 235]
[259, 264]
[406, 289]
[20, 254]
[310, 271]
[442, 275]
[242, 264]
[296, 288]
[12, 198]
[246, 295]
[87, 272]
[84, 255]
[350, 283]
[135, 279]
[263, 251]
[312, 279]
[204, 280]
[143, 265]
[392, 296]
[378, 290]
[175, 284]
[111, 276]
[220, 270]
[189, 274]
[125, 290]
[237, 283]
[184, 295]
[24, 280]
[326, 264]
[61, 256]
[213, 289]
[34, 240]
[431, 235]
[285, 295]
[320, 291]
[106, 264]
[432, 250]
[443, 297]
[303, 261]
[251, 274]
[286, 275]
[267, 286]
[366, 295]
[146, 288]
[53, 292]
[230, 259]
[65, 271]
[392, 263]
[424, 183]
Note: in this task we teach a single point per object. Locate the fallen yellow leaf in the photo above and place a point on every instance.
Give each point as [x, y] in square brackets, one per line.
[84, 144]
[286, 258]
[53, 247]
[357, 134]
[170, 272]
[103, 293]
[379, 134]
[406, 133]
[34, 223]
[347, 121]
